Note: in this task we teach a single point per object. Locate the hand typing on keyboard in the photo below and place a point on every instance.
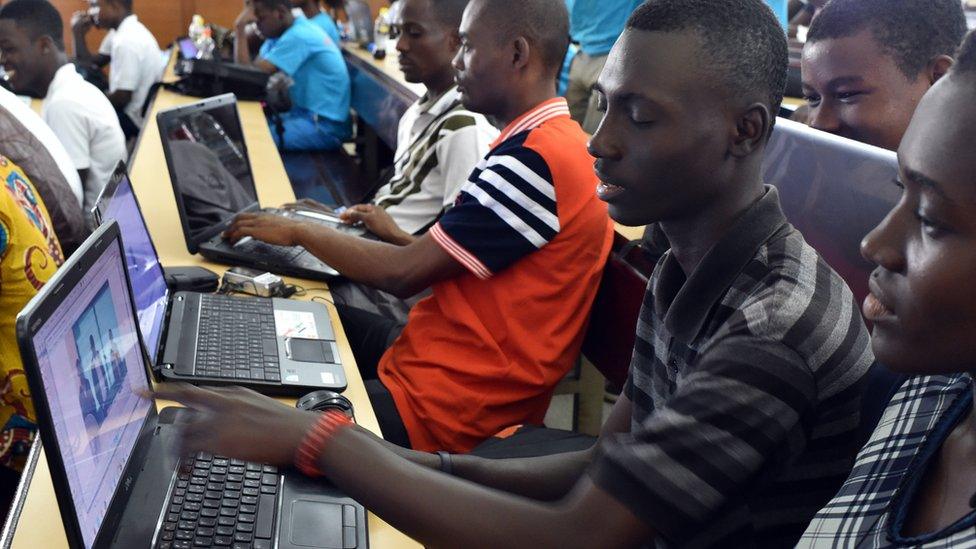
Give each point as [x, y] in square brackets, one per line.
[264, 227]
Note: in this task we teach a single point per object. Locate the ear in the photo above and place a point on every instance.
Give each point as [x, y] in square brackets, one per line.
[522, 50]
[751, 130]
[938, 67]
[46, 44]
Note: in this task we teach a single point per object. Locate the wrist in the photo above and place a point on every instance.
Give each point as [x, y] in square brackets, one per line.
[308, 455]
[296, 234]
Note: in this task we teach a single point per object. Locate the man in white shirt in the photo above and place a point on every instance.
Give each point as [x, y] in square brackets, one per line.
[80, 115]
[133, 54]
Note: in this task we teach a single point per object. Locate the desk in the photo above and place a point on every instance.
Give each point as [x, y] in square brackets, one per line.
[39, 516]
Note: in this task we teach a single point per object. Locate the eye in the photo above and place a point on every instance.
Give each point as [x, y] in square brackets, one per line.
[849, 95]
[811, 98]
[898, 183]
[930, 227]
[601, 102]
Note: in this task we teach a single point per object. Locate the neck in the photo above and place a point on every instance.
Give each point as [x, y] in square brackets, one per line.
[310, 9]
[436, 86]
[48, 72]
[694, 236]
[123, 18]
[530, 96]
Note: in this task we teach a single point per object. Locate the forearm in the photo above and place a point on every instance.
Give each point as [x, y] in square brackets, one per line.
[82, 54]
[242, 52]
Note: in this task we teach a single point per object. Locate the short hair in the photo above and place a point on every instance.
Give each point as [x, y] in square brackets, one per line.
[449, 12]
[37, 17]
[911, 32]
[966, 57]
[544, 23]
[742, 41]
[274, 4]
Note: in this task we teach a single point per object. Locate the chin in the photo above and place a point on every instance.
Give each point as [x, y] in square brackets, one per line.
[629, 218]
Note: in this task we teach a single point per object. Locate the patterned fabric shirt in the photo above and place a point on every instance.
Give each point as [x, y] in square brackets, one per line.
[439, 142]
[870, 509]
[745, 385]
[29, 256]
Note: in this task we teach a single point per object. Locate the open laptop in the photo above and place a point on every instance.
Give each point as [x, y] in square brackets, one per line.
[834, 190]
[111, 456]
[212, 180]
[275, 346]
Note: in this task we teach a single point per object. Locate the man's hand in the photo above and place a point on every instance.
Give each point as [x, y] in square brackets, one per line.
[82, 22]
[272, 229]
[239, 423]
[379, 222]
[309, 204]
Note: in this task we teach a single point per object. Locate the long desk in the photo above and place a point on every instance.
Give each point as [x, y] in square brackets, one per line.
[38, 524]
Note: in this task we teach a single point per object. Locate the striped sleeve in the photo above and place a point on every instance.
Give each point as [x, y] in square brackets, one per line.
[735, 419]
[505, 211]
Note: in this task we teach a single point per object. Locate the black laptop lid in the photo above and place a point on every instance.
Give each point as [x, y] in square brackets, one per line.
[86, 369]
[208, 166]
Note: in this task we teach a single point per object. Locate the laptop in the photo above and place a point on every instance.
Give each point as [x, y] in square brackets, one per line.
[834, 190]
[110, 454]
[274, 346]
[212, 181]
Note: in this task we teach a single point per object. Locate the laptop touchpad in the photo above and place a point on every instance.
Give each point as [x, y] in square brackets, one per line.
[310, 350]
[323, 525]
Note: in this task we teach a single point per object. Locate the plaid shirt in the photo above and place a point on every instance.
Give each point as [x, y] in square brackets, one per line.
[871, 507]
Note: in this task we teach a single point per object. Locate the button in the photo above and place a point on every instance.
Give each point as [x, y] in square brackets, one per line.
[349, 515]
[349, 540]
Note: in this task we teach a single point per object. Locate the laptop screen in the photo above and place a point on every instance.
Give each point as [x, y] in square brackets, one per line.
[210, 169]
[93, 372]
[188, 50]
[145, 272]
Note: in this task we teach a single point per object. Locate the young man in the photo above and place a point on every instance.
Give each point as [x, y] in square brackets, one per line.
[595, 25]
[867, 63]
[520, 253]
[312, 10]
[132, 53]
[28, 142]
[439, 143]
[738, 420]
[29, 256]
[80, 115]
[320, 95]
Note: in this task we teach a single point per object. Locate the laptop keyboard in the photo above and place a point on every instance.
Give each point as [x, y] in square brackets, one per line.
[257, 248]
[236, 339]
[220, 502]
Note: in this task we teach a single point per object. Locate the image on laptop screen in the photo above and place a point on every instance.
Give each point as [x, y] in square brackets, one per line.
[145, 272]
[211, 166]
[93, 373]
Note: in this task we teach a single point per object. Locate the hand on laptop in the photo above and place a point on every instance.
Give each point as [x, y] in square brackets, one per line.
[308, 204]
[378, 221]
[272, 229]
[239, 423]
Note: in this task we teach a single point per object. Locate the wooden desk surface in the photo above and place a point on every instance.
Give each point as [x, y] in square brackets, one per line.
[39, 524]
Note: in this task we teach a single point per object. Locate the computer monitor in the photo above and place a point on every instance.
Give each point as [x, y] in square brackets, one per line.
[84, 344]
[118, 203]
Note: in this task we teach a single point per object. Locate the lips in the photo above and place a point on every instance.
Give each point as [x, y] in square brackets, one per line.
[606, 191]
[875, 306]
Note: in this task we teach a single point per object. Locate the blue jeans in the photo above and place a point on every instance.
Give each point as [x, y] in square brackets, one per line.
[304, 131]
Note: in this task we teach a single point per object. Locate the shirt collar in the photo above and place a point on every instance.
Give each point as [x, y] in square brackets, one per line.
[61, 76]
[437, 106]
[128, 21]
[539, 115]
[685, 304]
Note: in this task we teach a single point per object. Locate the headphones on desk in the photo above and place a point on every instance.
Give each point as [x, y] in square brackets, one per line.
[320, 401]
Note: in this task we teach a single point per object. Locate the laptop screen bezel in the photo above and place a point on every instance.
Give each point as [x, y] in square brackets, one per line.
[163, 119]
[98, 212]
[37, 312]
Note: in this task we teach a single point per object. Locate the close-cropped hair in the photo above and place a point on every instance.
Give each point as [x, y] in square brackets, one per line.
[544, 23]
[966, 57]
[742, 41]
[37, 17]
[449, 12]
[911, 32]
[274, 4]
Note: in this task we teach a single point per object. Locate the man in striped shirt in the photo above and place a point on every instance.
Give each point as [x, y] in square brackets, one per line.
[740, 414]
[514, 265]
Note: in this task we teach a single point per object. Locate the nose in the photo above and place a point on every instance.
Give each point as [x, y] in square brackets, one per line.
[401, 43]
[604, 144]
[885, 245]
[458, 61]
[824, 117]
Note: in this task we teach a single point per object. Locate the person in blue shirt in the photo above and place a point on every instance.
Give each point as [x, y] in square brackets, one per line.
[314, 12]
[595, 25]
[320, 95]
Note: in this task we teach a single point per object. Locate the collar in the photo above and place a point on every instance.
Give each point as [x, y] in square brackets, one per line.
[539, 115]
[686, 304]
[130, 20]
[437, 106]
[61, 76]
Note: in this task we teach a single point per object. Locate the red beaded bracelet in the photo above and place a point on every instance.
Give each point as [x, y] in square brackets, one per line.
[310, 450]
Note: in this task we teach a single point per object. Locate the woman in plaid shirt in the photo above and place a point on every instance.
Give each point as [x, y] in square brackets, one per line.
[914, 482]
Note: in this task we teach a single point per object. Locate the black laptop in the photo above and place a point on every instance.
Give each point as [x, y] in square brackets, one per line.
[212, 180]
[274, 346]
[111, 456]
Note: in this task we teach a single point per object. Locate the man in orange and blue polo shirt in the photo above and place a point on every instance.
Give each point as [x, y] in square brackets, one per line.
[514, 265]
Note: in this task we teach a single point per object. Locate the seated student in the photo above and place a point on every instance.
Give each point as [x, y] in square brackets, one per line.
[737, 422]
[519, 255]
[131, 51]
[867, 63]
[314, 12]
[808, 10]
[80, 115]
[319, 118]
[28, 142]
[29, 256]
[913, 482]
[438, 145]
